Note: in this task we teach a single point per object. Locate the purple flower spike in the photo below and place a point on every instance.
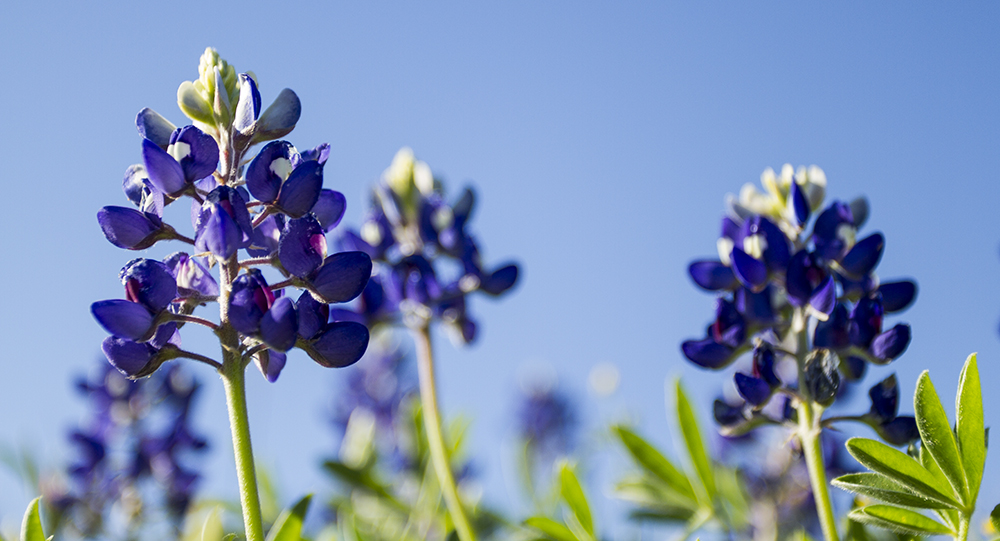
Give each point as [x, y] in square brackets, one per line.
[123, 318]
[248, 108]
[708, 353]
[153, 126]
[751, 272]
[149, 283]
[500, 280]
[127, 356]
[864, 256]
[754, 390]
[197, 152]
[341, 344]
[342, 277]
[268, 169]
[129, 228]
[892, 343]
[885, 399]
[279, 119]
[825, 297]
[900, 431]
[279, 325]
[302, 247]
[329, 208]
[800, 204]
[301, 191]
[164, 171]
[897, 296]
[712, 275]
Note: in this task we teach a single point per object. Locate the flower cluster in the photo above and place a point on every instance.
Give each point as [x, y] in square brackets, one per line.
[132, 452]
[426, 261]
[272, 206]
[788, 291]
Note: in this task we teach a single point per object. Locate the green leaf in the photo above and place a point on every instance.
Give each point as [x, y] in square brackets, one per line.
[880, 487]
[995, 518]
[288, 526]
[551, 528]
[31, 526]
[212, 529]
[572, 492]
[936, 435]
[898, 520]
[695, 445]
[654, 462]
[971, 430]
[899, 467]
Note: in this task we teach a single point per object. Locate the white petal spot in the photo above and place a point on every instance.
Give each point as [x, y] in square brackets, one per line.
[754, 245]
[281, 167]
[179, 150]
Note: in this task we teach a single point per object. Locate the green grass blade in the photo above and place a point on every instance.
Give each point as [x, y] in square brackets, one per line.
[937, 437]
[288, 526]
[576, 500]
[902, 469]
[970, 424]
[881, 488]
[650, 459]
[694, 442]
[899, 520]
[31, 526]
[551, 528]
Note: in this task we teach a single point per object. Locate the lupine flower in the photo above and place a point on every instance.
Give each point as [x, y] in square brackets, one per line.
[546, 420]
[774, 275]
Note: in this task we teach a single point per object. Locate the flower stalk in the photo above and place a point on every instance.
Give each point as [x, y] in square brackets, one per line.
[435, 438]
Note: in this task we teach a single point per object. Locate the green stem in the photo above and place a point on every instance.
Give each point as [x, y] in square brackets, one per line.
[233, 377]
[963, 526]
[435, 439]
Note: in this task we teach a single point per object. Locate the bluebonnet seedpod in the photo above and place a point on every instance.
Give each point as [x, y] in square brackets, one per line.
[340, 344]
[712, 275]
[131, 229]
[341, 277]
[153, 126]
[302, 247]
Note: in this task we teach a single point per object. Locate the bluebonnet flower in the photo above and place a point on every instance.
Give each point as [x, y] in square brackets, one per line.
[546, 420]
[272, 206]
[133, 455]
[792, 293]
[415, 238]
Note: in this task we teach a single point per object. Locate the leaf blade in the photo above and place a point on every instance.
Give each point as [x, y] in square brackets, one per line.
[576, 500]
[550, 528]
[694, 442]
[902, 469]
[899, 520]
[936, 435]
[970, 425]
[650, 459]
[288, 525]
[884, 489]
[31, 526]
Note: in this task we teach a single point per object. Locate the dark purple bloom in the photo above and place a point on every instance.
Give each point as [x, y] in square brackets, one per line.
[901, 430]
[891, 344]
[191, 275]
[834, 231]
[755, 391]
[279, 325]
[250, 299]
[340, 344]
[131, 229]
[124, 318]
[153, 126]
[329, 208]
[302, 247]
[726, 414]
[128, 356]
[897, 296]
[800, 204]
[273, 178]
[885, 399]
[149, 283]
[864, 256]
[248, 107]
[546, 420]
[197, 153]
[751, 272]
[763, 365]
[712, 275]
[725, 336]
[342, 276]
[223, 223]
[499, 281]
[834, 333]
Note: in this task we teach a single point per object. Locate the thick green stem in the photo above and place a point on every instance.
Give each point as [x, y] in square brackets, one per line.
[435, 439]
[809, 435]
[233, 377]
[963, 526]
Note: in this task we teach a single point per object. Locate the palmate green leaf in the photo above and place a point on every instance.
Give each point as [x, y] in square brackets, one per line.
[650, 459]
[970, 426]
[576, 500]
[552, 529]
[31, 526]
[693, 440]
[288, 526]
[936, 435]
[899, 520]
[902, 469]
[881, 488]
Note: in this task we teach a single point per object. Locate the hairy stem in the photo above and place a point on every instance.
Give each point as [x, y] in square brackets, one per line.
[435, 439]
[963, 526]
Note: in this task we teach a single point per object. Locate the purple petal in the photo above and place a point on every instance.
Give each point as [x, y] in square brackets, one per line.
[500, 280]
[192, 277]
[270, 364]
[248, 108]
[755, 307]
[726, 414]
[853, 368]
[123, 318]
[751, 272]
[800, 204]
[132, 183]
[319, 154]
[301, 190]
[329, 208]
[302, 247]
[248, 302]
[864, 256]
[279, 326]
[885, 399]
[127, 356]
[153, 126]
[343, 276]
[712, 275]
[825, 296]
[892, 343]
[797, 275]
[128, 228]
[754, 390]
[900, 431]
[219, 233]
[708, 353]
[341, 344]
[164, 171]
[897, 296]
[197, 152]
[149, 283]
[834, 332]
[312, 315]
[262, 181]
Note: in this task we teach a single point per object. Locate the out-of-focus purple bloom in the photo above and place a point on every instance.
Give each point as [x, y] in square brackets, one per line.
[546, 420]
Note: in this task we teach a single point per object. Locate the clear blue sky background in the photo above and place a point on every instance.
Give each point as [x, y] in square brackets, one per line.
[602, 141]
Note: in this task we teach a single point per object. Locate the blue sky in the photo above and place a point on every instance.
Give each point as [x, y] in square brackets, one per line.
[601, 140]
